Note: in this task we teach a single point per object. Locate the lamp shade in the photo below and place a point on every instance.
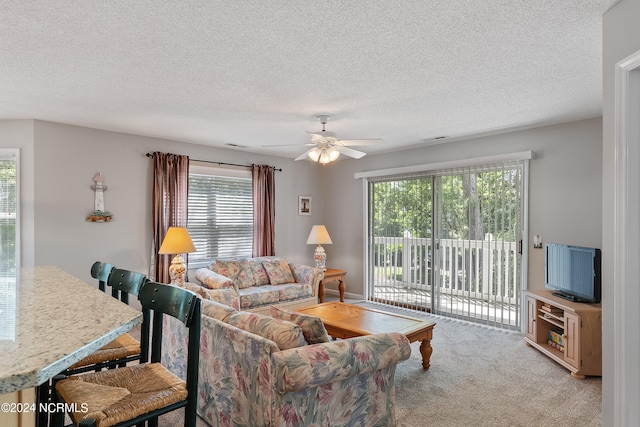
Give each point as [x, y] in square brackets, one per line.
[177, 241]
[319, 236]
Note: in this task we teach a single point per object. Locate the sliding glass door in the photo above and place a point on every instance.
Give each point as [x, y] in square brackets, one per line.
[480, 217]
[448, 242]
[401, 241]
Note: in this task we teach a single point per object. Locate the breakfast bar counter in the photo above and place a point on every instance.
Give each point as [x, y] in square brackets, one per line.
[59, 320]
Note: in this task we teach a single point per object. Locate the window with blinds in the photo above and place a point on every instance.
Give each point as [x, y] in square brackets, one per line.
[9, 242]
[220, 213]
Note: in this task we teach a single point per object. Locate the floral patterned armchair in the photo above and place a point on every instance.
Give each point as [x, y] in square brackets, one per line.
[247, 380]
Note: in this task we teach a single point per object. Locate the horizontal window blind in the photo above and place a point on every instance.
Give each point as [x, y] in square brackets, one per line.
[9, 242]
[220, 213]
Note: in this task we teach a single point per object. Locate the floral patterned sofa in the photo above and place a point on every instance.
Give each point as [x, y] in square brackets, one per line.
[261, 282]
[257, 370]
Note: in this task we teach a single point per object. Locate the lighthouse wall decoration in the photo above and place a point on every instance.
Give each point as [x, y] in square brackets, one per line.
[99, 214]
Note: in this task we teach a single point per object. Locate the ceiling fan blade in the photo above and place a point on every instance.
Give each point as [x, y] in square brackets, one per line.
[322, 133]
[285, 145]
[349, 152]
[317, 138]
[303, 155]
[360, 142]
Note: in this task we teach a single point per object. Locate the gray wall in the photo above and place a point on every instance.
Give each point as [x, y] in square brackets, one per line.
[621, 38]
[56, 192]
[565, 190]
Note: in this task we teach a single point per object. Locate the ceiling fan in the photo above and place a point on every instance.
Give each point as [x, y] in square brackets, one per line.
[327, 148]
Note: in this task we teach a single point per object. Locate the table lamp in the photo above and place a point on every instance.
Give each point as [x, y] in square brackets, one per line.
[177, 241]
[320, 236]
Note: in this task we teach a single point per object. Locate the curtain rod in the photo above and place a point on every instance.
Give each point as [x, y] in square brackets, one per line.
[221, 163]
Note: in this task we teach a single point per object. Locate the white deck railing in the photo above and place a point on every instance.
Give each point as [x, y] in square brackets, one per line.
[480, 269]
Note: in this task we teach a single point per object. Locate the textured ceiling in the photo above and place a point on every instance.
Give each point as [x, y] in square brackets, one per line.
[257, 72]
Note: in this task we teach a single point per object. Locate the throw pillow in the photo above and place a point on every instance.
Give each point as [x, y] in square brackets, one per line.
[237, 270]
[262, 278]
[279, 272]
[312, 327]
[285, 334]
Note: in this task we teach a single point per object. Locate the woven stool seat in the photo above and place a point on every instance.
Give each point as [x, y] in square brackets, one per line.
[120, 348]
[116, 395]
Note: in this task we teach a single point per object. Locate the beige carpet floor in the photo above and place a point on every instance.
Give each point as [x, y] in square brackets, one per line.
[482, 376]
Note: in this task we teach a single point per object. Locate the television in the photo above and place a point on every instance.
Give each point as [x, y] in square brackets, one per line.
[573, 272]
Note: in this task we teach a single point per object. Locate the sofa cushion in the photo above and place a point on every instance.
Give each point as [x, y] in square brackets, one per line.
[312, 327]
[237, 270]
[258, 295]
[217, 311]
[291, 291]
[278, 271]
[285, 334]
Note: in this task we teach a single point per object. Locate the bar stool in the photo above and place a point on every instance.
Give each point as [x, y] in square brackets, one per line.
[118, 352]
[125, 348]
[137, 393]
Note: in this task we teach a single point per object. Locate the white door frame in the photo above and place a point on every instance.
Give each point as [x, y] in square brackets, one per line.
[626, 292]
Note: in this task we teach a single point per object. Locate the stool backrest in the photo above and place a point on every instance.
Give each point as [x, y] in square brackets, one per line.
[101, 271]
[184, 305]
[124, 283]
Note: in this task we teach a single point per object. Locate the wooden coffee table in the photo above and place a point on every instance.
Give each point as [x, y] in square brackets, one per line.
[347, 320]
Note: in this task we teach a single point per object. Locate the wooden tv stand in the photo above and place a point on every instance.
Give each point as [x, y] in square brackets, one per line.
[577, 326]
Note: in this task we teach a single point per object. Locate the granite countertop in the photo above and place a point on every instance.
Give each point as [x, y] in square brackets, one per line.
[59, 320]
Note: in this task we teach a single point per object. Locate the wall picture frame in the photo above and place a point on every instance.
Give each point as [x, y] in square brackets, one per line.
[304, 205]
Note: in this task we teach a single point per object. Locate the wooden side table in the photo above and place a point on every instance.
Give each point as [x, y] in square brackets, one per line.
[331, 275]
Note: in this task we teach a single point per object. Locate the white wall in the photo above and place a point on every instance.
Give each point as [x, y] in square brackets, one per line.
[565, 191]
[621, 38]
[68, 157]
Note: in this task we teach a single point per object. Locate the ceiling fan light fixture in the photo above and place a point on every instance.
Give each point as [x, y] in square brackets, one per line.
[314, 154]
[328, 155]
[324, 158]
[323, 155]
